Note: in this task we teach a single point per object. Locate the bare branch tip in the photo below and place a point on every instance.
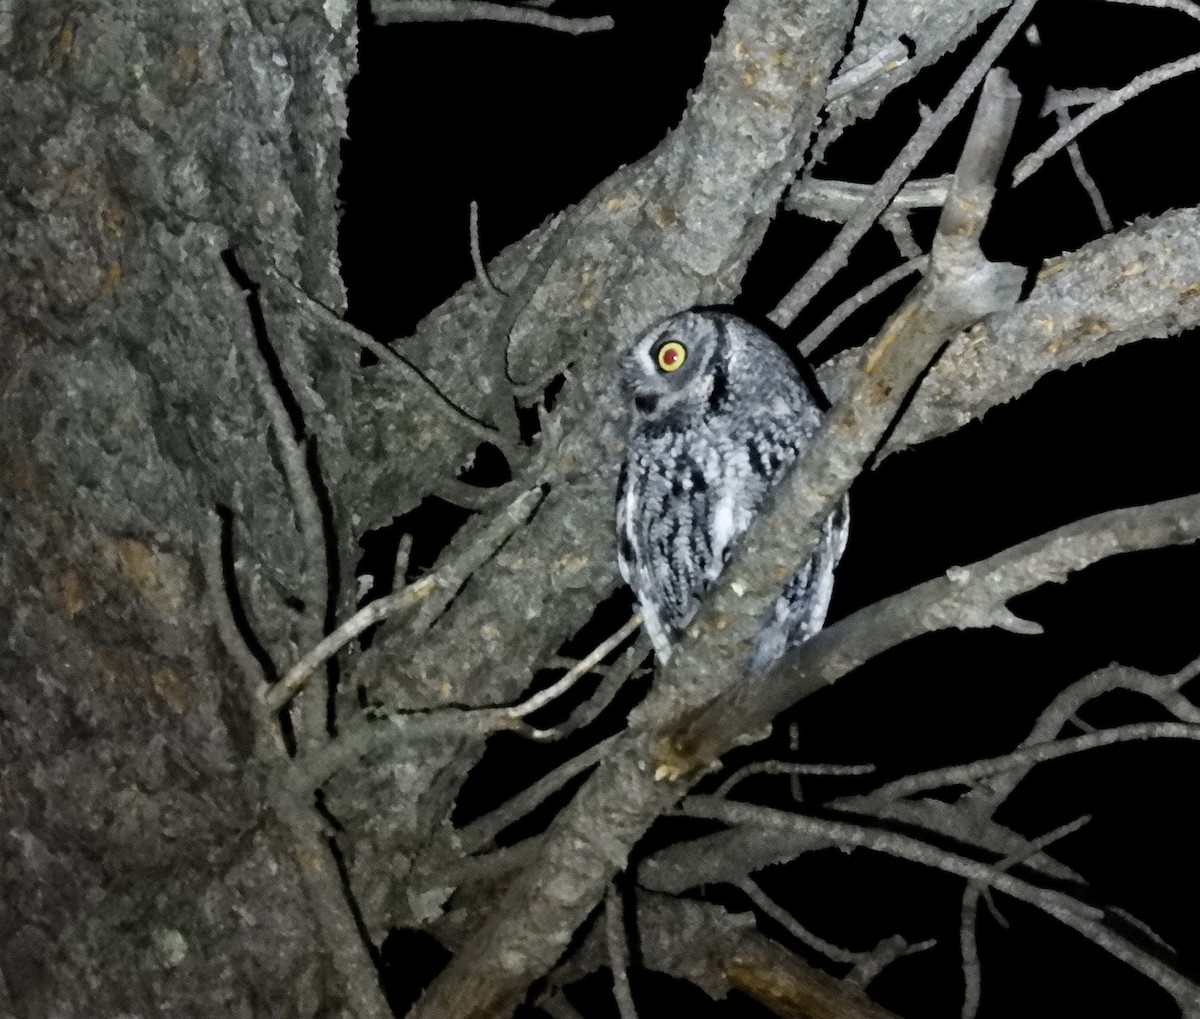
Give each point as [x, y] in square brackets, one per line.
[1007, 620]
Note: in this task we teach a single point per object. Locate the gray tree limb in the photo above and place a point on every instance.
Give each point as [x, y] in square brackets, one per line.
[390, 12]
[1140, 283]
[1063, 908]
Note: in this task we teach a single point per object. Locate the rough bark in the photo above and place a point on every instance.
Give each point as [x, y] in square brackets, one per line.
[142, 869]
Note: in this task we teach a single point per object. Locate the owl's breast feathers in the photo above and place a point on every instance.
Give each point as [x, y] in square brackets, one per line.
[684, 499]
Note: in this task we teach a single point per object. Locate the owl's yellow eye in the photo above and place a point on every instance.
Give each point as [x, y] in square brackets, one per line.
[671, 356]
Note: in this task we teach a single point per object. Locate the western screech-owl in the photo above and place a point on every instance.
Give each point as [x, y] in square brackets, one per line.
[719, 414]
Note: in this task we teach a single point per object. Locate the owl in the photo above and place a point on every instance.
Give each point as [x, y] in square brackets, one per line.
[719, 414]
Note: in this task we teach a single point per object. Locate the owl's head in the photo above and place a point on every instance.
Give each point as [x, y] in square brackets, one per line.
[679, 362]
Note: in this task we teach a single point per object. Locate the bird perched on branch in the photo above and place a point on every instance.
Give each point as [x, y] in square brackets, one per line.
[719, 414]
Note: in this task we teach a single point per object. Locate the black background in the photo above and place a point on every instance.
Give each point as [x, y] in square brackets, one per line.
[526, 121]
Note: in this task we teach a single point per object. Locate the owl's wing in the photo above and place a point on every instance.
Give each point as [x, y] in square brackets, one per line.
[632, 554]
[800, 610]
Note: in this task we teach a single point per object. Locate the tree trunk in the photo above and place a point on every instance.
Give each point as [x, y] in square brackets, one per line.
[143, 872]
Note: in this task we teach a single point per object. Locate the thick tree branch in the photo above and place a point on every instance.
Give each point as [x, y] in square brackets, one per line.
[967, 597]
[1140, 283]
[721, 951]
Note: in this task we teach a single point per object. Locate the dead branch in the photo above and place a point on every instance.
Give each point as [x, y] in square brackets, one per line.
[835, 256]
[445, 582]
[1074, 914]
[391, 12]
[1114, 100]
[1029, 755]
[618, 952]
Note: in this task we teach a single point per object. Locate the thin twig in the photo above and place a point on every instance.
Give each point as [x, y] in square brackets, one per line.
[1086, 180]
[793, 926]
[486, 544]
[794, 789]
[481, 272]
[249, 667]
[281, 693]
[618, 953]
[388, 358]
[1162, 689]
[403, 553]
[879, 840]
[879, 958]
[391, 12]
[513, 307]
[922, 140]
[835, 201]
[1114, 100]
[1059, 104]
[789, 768]
[1082, 918]
[268, 739]
[473, 497]
[966, 774]
[849, 306]
[615, 677]
[969, 946]
[1182, 6]
[310, 720]
[900, 227]
[1043, 842]
[1179, 679]
[581, 668]
[295, 468]
[483, 830]
[435, 590]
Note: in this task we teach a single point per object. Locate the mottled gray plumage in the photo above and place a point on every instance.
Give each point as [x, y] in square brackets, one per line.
[714, 427]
